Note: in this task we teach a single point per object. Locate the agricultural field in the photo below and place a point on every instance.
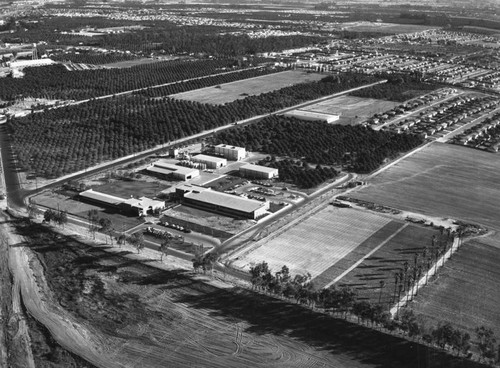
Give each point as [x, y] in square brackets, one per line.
[332, 233]
[352, 110]
[390, 251]
[150, 317]
[384, 27]
[441, 180]
[466, 291]
[229, 92]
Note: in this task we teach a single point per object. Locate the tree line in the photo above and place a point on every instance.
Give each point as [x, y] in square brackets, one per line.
[399, 87]
[343, 302]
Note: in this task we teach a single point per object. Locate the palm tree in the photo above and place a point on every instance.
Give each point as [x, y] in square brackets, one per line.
[164, 249]
[382, 284]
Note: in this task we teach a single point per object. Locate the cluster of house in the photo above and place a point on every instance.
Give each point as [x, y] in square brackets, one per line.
[449, 113]
[193, 195]
[485, 134]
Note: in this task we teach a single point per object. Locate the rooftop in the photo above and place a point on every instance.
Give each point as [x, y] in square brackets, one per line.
[222, 145]
[209, 158]
[167, 168]
[226, 200]
[102, 197]
[258, 168]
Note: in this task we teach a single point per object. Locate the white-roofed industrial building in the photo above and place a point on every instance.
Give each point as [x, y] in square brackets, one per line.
[258, 172]
[223, 203]
[231, 152]
[133, 206]
[165, 170]
[312, 116]
[211, 161]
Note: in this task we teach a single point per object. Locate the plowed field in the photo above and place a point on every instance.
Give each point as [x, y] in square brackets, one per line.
[149, 317]
[466, 291]
[316, 243]
[442, 180]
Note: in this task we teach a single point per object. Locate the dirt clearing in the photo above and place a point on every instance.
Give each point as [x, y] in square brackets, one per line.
[228, 92]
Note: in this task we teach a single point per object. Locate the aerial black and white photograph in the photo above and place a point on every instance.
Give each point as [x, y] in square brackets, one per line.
[249, 184]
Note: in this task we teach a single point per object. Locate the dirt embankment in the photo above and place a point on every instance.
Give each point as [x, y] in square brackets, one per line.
[41, 303]
[15, 344]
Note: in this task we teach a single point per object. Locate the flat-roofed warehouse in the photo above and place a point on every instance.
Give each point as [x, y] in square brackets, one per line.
[211, 161]
[231, 152]
[258, 171]
[312, 116]
[166, 170]
[223, 203]
[133, 206]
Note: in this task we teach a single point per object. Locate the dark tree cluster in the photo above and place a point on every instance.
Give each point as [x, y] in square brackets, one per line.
[71, 138]
[398, 88]
[56, 82]
[92, 57]
[160, 37]
[361, 148]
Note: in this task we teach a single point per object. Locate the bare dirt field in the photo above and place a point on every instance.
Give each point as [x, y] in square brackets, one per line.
[465, 293]
[314, 244]
[148, 317]
[352, 110]
[229, 92]
[441, 180]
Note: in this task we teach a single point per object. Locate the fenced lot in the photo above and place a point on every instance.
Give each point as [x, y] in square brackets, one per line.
[442, 180]
[316, 243]
[351, 109]
[229, 92]
[466, 291]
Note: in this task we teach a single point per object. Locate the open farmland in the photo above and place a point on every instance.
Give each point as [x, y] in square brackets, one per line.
[228, 92]
[351, 109]
[441, 180]
[316, 243]
[381, 265]
[149, 317]
[384, 27]
[466, 291]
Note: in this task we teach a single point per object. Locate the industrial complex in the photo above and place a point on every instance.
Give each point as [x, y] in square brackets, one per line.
[223, 203]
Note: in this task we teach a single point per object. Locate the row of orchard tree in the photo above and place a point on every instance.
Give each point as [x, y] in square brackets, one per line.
[343, 302]
[56, 82]
[71, 138]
